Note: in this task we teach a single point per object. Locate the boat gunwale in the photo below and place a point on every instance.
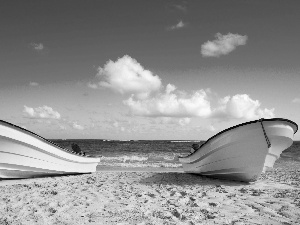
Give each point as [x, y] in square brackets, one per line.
[41, 150]
[42, 139]
[240, 125]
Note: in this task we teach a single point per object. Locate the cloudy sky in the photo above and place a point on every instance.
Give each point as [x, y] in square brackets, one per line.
[139, 69]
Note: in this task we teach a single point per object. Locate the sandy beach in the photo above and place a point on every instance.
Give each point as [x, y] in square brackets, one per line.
[160, 197]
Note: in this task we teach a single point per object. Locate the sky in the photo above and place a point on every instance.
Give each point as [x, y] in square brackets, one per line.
[138, 69]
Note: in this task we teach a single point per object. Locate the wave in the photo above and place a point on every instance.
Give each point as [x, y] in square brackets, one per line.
[157, 157]
[135, 158]
[123, 158]
[144, 160]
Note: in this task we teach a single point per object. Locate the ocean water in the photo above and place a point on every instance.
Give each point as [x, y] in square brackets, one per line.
[292, 153]
[155, 154]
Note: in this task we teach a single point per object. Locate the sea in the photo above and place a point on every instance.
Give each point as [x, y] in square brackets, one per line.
[147, 153]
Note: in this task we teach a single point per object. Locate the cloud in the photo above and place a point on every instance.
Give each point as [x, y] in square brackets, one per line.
[116, 124]
[170, 104]
[44, 112]
[296, 100]
[184, 121]
[62, 127]
[182, 8]
[33, 84]
[179, 25]
[172, 121]
[223, 44]
[37, 46]
[126, 75]
[211, 128]
[76, 126]
[178, 7]
[241, 106]
[93, 86]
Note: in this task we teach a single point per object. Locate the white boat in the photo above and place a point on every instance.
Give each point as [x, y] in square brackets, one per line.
[242, 152]
[24, 154]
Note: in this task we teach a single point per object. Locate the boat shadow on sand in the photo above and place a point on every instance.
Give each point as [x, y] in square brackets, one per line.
[183, 179]
[43, 178]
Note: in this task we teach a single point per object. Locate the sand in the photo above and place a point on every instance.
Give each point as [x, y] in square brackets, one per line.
[112, 197]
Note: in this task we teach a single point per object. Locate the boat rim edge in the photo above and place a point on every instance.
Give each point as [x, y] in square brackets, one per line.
[242, 124]
[38, 136]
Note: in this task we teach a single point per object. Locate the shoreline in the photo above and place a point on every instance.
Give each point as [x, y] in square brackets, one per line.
[153, 197]
[140, 169]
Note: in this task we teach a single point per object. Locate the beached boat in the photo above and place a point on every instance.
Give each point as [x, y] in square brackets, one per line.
[24, 154]
[242, 152]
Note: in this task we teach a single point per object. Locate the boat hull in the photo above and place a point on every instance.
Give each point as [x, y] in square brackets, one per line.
[24, 154]
[242, 152]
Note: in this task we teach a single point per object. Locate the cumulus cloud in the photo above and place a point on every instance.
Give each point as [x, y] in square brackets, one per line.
[211, 128]
[62, 127]
[33, 84]
[296, 100]
[37, 46]
[205, 128]
[171, 104]
[44, 112]
[93, 86]
[126, 75]
[184, 121]
[116, 124]
[76, 126]
[181, 7]
[241, 106]
[179, 25]
[222, 45]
